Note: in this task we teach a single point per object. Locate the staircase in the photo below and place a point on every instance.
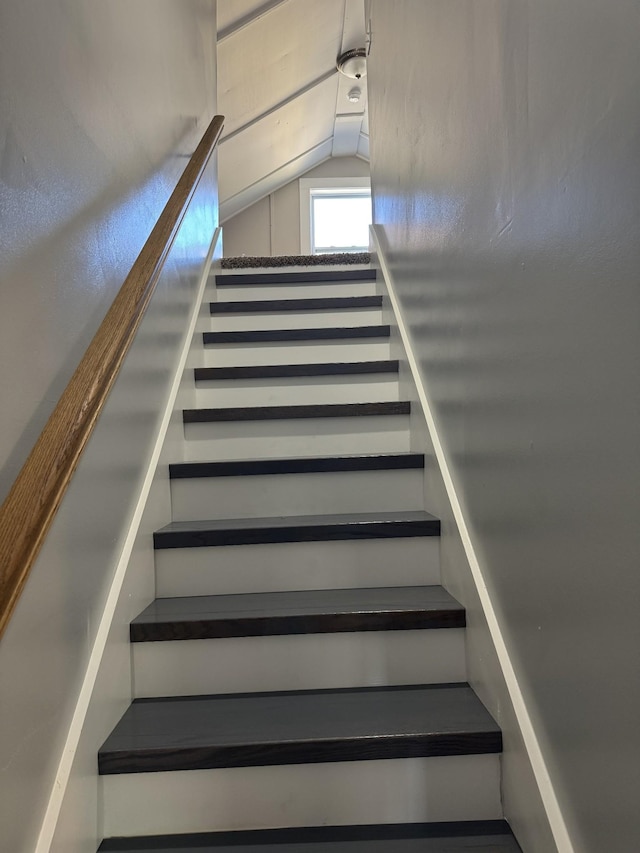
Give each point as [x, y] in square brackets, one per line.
[300, 679]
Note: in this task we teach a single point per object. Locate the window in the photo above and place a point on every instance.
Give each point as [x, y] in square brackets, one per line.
[335, 215]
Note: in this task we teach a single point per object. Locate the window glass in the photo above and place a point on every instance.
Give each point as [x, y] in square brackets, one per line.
[340, 221]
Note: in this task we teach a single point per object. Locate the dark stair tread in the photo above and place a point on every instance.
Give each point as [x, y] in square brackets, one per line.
[486, 836]
[308, 410]
[322, 303]
[300, 465]
[295, 727]
[269, 371]
[303, 528]
[329, 333]
[299, 612]
[270, 278]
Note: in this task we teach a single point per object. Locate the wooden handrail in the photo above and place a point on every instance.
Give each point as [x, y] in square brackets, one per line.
[30, 507]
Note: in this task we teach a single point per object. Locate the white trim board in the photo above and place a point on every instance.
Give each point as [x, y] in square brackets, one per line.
[363, 146]
[49, 823]
[248, 19]
[527, 729]
[328, 75]
[275, 180]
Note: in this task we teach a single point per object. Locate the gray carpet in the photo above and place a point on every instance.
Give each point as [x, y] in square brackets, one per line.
[296, 260]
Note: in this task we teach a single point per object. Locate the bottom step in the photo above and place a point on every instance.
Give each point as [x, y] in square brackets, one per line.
[490, 835]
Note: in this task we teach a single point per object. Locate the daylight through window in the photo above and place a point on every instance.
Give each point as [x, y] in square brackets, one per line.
[335, 214]
[340, 220]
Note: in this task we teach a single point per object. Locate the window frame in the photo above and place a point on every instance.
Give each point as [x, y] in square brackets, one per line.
[322, 186]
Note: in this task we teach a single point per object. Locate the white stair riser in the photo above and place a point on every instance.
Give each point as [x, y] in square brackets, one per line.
[289, 391]
[290, 291]
[203, 498]
[441, 788]
[298, 662]
[296, 437]
[296, 352]
[347, 564]
[296, 320]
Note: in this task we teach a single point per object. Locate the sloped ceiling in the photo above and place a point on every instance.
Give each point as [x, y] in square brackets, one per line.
[286, 105]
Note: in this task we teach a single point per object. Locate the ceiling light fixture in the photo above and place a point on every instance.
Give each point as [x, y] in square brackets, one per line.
[353, 63]
[354, 94]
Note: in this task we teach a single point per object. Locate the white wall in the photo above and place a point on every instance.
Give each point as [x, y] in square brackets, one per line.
[99, 105]
[508, 207]
[271, 226]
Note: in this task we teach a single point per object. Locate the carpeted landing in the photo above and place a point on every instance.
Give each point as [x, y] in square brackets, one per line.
[296, 260]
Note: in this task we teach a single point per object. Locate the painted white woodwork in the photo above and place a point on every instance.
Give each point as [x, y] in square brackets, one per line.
[363, 146]
[282, 391]
[296, 320]
[229, 137]
[298, 662]
[451, 788]
[269, 144]
[296, 437]
[203, 498]
[297, 352]
[280, 176]
[346, 132]
[274, 59]
[309, 290]
[297, 565]
[352, 792]
[234, 16]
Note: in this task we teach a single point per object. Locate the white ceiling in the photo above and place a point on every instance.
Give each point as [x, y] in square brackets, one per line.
[285, 103]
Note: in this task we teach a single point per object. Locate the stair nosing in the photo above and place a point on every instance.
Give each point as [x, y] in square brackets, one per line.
[292, 278]
[298, 625]
[295, 613]
[270, 371]
[322, 333]
[275, 306]
[297, 465]
[297, 412]
[273, 839]
[325, 528]
[207, 732]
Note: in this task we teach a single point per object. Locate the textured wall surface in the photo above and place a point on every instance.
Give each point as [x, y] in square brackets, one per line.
[98, 106]
[100, 103]
[506, 179]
